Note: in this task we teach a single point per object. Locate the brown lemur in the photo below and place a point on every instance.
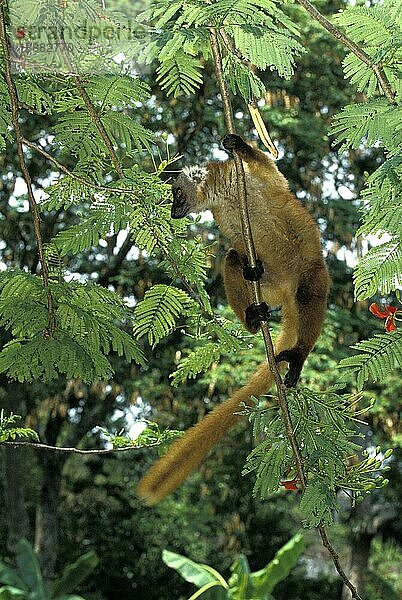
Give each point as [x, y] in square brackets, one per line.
[287, 242]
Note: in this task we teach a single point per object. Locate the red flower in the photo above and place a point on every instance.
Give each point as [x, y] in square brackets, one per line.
[388, 313]
[20, 33]
[291, 484]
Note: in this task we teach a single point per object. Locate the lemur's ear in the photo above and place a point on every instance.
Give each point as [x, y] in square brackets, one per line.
[196, 173]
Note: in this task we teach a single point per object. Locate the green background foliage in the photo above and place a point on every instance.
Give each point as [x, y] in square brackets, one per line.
[118, 264]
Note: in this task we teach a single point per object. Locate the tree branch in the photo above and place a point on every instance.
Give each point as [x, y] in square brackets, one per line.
[20, 151]
[346, 41]
[66, 171]
[251, 255]
[90, 107]
[39, 446]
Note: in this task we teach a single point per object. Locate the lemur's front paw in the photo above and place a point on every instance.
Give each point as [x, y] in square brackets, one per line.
[233, 142]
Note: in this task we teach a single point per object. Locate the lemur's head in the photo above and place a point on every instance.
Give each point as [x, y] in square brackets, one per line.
[186, 191]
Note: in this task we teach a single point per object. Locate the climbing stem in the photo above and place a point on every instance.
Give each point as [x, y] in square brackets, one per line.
[12, 91]
[251, 256]
[353, 47]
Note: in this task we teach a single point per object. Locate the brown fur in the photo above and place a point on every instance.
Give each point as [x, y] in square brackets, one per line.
[287, 241]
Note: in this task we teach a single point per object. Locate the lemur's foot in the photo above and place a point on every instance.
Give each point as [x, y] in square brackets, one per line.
[295, 359]
[234, 142]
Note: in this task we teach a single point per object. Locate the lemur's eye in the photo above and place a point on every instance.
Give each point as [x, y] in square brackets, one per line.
[177, 193]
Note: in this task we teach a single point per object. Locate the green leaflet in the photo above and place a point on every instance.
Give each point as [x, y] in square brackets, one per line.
[88, 327]
[379, 356]
[158, 313]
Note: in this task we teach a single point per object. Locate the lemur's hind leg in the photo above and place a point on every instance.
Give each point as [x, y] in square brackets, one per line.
[311, 301]
[237, 290]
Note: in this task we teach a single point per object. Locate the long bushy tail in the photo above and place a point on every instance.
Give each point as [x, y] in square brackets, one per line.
[187, 452]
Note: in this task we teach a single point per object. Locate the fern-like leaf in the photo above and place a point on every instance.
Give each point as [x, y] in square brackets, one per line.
[123, 130]
[157, 314]
[180, 74]
[382, 195]
[88, 326]
[379, 356]
[241, 80]
[267, 48]
[33, 96]
[361, 121]
[378, 30]
[196, 362]
[380, 269]
[360, 74]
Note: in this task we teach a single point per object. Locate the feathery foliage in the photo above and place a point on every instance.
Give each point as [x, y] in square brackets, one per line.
[378, 29]
[88, 320]
[380, 355]
[218, 339]
[95, 124]
[380, 269]
[157, 314]
[9, 431]
[260, 30]
[325, 430]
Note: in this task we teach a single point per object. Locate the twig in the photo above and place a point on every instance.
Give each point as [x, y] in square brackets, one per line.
[90, 107]
[39, 446]
[251, 255]
[335, 559]
[73, 175]
[25, 173]
[342, 37]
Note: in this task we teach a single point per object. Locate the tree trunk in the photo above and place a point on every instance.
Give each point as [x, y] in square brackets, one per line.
[15, 467]
[15, 461]
[47, 513]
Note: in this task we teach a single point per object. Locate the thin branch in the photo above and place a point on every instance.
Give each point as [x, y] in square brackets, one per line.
[251, 254]
[38, 446]
[335, 559]
[283, 405]
[25, 173]
[346, 41]
[66, 171]
[90, 107]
